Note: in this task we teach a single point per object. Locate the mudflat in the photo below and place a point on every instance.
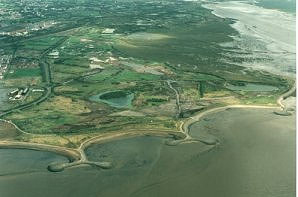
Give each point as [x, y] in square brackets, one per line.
[255, 156]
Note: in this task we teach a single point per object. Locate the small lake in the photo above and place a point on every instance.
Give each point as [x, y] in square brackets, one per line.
[118, 99]
[252, 87]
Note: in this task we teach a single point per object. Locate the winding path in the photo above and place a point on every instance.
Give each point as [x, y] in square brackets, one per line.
[286, 95]
[169, 82]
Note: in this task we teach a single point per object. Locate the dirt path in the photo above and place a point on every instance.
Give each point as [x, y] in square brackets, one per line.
[169, 82]
[286, 95]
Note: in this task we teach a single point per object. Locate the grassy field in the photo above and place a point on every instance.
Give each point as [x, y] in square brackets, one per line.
[23, 73]
[159, 43]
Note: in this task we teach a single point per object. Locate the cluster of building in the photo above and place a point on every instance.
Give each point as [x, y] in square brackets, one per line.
[22, 32]
[18, 94]
[29, 28]
[40, 25]
[95, 63]
[54, 54]
[108, 31]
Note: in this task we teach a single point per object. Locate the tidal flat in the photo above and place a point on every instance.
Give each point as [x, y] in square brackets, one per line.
[259, 35]
[254, 157]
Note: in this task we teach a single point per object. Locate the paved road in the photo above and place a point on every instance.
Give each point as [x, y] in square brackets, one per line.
[47, 93]
[47, 78]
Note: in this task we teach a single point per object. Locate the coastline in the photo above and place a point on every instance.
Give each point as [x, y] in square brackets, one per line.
[253, 23]
[72, 154]
[77, 156]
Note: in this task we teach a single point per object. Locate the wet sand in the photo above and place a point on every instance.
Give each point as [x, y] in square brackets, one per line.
[255, 157]
[264, 33]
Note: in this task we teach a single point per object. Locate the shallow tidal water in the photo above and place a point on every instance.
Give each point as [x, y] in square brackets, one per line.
[255, 157]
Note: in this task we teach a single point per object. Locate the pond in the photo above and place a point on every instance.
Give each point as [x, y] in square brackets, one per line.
[251, 87]
[118, 98]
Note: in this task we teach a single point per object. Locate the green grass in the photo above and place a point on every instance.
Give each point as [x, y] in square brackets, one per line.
[74, 61]
[62, 68]
[44, 122]
[104, 75]
[191, 51]
[198, 77]
[260, 100]
[156, 100]
[127, 75]
[40, 44]
[25, 72]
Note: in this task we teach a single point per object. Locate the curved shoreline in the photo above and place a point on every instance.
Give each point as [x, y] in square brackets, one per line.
[285, 96]
[78, 157]
[184, 127]
[72, 154]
